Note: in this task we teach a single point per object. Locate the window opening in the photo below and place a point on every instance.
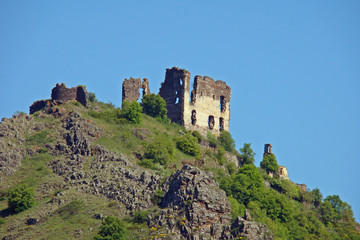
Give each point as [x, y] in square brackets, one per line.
[221, 124]
[181, 82]
[222, 104]
[177, 100]
[211, 122]
[193, 117]
[141, 94]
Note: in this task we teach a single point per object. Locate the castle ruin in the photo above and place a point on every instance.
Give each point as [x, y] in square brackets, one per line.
[205, 108]
[61, 94]
[131, 87]
[282, 171]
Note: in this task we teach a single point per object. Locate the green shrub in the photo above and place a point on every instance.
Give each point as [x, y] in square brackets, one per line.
[92, 97]
[269, 163]
[140, 216]
[237, 209]
[131, 112]
[2, 221]
[197, 135]
[227, 141]
[154, 105]
[160, 152]
[111, 228]
[220, 156]
[20, 198]
[159, 194]
[231, 167]
[147, 163]
[189, 145]
[213, 142]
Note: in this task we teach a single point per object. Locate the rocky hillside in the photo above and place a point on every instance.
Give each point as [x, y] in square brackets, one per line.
[84, 164]
[79, 173]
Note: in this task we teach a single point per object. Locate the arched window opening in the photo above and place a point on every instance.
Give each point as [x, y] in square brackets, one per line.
[211, 122]
[177, 100]
[221, 124]
[222, 105]
[193, 117]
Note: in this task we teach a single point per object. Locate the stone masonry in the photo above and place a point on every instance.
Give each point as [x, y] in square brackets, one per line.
[61, 94]
[131, 87]
[207, 108]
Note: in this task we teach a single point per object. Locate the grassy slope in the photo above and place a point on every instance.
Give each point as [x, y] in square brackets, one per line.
[77, 214]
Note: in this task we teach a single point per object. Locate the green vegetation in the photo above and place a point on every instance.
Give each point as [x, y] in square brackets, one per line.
[131, 112]
[247, 154]
[288, 211]
[112, 228]
[154, 106]
[92, 97]
[226, 140]
[269, 163]
[160, 152]
[189, 145]
[20, 198]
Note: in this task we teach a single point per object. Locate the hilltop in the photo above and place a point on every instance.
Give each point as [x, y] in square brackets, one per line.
[84, 161]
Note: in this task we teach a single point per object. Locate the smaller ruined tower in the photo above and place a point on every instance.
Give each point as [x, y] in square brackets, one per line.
[131, 87]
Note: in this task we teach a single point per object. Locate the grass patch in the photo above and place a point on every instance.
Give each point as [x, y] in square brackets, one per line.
[33, 170]
[40, 138]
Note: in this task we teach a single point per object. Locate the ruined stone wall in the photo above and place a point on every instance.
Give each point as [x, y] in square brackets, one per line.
[283, 173]
[175, 91]
[131, 87]
[63, 94]
[208, 108]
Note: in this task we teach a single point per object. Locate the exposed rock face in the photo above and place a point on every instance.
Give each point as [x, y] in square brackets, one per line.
[12, 139]
[131, 87]
[195, 208]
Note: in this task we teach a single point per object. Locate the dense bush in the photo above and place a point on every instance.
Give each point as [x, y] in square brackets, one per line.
[227, 141]
[154, 105]
[269, 163]
[160, 152]
[131, 112]
[111, 229]
[20, 198]
[189, 145]
[197, 135]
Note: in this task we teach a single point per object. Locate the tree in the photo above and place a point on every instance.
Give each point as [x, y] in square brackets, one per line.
[131, 112]
[269, 163]
[317, 197]
[247, 154]
[227, 141]
[20, 198]
[154, 105]
[111, 229]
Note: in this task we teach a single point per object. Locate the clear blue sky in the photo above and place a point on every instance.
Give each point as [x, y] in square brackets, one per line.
[293, 66]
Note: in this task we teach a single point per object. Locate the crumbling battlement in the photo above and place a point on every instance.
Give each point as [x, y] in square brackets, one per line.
[61, 94]
[207, 108]
[131, 87]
